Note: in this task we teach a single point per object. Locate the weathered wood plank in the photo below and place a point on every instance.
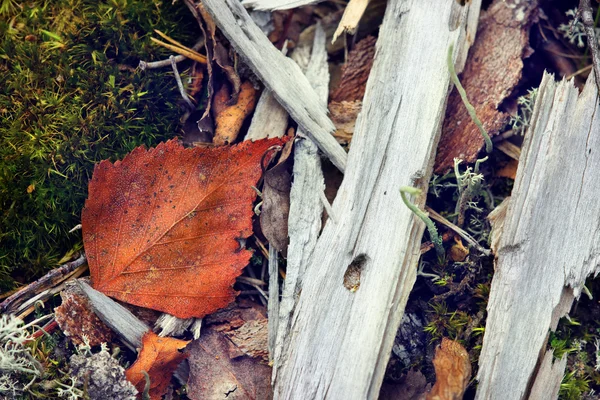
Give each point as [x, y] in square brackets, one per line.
[129, 328]
[341, 339]
[550, 241]
[306, 208]
[271, 5]
[269, 119]
[280, 74]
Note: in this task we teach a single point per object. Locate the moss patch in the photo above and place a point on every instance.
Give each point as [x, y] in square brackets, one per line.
[70, 96]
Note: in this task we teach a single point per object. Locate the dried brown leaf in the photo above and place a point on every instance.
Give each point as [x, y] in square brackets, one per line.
[452, 371]
[159, 357]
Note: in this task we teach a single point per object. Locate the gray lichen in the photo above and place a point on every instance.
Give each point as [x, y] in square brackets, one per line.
[104, 376]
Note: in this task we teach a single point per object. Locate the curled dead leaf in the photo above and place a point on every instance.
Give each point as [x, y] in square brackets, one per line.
[159, 358]
[452, 371]
[458, 252]
[229, 121]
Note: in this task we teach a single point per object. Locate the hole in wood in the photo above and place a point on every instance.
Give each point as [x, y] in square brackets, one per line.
[352, 275]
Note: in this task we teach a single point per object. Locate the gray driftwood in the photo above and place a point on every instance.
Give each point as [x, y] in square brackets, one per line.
[129, 328]
[340, 339]
[550, 241]
[271, 5]
[269, 119]
[306, 208]
[279, 74]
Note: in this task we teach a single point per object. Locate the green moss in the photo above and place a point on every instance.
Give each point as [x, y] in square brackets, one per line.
[70, 96]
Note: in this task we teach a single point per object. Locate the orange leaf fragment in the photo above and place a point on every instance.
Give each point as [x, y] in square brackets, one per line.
[160, 227]
[159, 357]
[230, 120]
[452, 371]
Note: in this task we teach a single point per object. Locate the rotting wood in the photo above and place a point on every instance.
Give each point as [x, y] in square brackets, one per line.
[340, 340]
[550, 241]
[279, 74]
[494, 69]
[306, 208]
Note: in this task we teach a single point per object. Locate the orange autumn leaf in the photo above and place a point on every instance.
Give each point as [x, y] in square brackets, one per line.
[159, 357]
[229, 121]
[161, 227]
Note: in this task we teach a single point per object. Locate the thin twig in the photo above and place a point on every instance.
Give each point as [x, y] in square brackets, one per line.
[51, 278]
[180, 84]
[587, 17]
[437, 217]
[144, 65]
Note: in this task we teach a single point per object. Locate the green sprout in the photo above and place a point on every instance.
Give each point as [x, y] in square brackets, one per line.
[463, 95]
[436, 239]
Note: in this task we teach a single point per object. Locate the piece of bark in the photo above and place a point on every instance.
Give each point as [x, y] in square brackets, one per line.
[280, 74]
[344, 115]
[550, 242]
[452, 371]
[215, 375]
[492, 72]
[356, 72]
[77, 320]
[274, 301]
[252, 338]
[340, 341]
[352, 15]
[306, 208]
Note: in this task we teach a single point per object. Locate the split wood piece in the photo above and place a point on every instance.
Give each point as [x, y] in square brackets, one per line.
[269, 119]
[129, 328]
[340, 338]
[273, 302]
[279, 74]
[306, 207]
[549, 377]
[352, 15]
[550, 241]
[272, 5]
